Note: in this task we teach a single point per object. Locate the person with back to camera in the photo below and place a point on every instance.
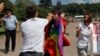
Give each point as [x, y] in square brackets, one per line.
[33, 33]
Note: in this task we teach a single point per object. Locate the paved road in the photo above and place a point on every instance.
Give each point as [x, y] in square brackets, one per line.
[68, 51]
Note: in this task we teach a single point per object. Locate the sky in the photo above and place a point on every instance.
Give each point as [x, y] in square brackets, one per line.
[68, 1]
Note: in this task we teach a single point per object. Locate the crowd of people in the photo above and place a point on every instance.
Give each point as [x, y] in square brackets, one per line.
[46, 36]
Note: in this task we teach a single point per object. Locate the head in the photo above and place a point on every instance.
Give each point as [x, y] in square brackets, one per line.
[87, 17]
[1, 7]
[9, 12]
[31, 11]
[55, 14]
[62, 14]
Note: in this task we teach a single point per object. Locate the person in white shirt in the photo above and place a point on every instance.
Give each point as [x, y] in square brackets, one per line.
[33, 33]
[84, 32]
[11, 24]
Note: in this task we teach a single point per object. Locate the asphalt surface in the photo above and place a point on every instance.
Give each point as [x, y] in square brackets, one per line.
[68, 51]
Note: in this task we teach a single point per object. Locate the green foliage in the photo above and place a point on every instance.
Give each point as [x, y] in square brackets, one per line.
[21, 6]
[45, 3]
[2, 29]
[46, 6]
[78, 9]
[43, 12]
[8, 4]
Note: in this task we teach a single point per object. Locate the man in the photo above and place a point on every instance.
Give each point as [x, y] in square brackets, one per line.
[1, 7]
[11, 24]
[33, 33]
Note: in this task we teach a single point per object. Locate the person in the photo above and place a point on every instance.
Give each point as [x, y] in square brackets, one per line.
[84, 32]
[11, 23]
[55, 35]
[33, 33]
[66, 42]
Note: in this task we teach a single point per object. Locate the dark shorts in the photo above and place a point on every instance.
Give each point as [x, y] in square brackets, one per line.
[31, 54]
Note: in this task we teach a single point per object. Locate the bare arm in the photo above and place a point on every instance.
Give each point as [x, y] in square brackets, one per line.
[77, 31]
[17, 26]
[49, 17]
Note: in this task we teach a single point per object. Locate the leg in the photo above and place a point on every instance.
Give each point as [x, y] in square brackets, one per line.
[84, 53]
[13, 38]
[81, 52]
[25, 54]
[78, 51]
[7, 33]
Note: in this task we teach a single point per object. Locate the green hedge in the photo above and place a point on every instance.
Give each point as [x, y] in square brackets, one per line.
[2, 29]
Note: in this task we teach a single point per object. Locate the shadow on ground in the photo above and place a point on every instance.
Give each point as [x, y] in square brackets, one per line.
[2, 50]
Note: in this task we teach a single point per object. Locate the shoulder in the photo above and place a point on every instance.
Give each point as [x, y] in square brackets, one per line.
[25, 22]
[80, 24]
[13, 16]
[43, 19]
[5, 18]
[91, 25]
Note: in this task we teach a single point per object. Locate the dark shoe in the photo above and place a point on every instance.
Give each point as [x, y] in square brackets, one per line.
[12, 50]
[6, 52]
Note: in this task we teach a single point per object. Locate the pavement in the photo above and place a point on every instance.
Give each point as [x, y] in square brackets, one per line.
[68, 51]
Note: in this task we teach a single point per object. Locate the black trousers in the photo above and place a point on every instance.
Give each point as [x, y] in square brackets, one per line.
[31, 54]
[10, 34]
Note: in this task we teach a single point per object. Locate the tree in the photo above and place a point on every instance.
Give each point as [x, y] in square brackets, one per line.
[8, 3]
[21, 6]
[45, 3]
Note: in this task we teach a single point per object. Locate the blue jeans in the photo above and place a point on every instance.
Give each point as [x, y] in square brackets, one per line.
[31, 54]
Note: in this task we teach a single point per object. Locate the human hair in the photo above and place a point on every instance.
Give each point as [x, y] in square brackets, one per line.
[89, 14]
[8, 10]
[54, 12]
[31, 11]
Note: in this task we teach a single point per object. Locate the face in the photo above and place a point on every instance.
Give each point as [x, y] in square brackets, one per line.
[86, 17]
[63, 14]
[55, 16]
[1, 7]
[9, 13]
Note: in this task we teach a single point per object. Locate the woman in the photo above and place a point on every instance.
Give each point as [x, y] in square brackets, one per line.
[53, 44]
[64, 21]
[84, 32]
[55, 36]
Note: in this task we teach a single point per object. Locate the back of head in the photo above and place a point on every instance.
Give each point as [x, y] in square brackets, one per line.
[31, 11]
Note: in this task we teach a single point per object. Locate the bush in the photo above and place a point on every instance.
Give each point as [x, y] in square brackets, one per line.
[2, 29]
[43, 12]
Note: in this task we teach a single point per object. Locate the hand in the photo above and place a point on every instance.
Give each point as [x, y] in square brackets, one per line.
[50, 14]
[17, 30]
[49, 17]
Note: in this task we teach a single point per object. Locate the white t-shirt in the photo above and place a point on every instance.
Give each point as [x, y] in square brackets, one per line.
[10, 22]
[85, 34]
[33, 34]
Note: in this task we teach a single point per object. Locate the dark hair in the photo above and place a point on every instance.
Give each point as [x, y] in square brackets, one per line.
[8, 10]
[56, 12]
[31, 11]
[90, 16]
